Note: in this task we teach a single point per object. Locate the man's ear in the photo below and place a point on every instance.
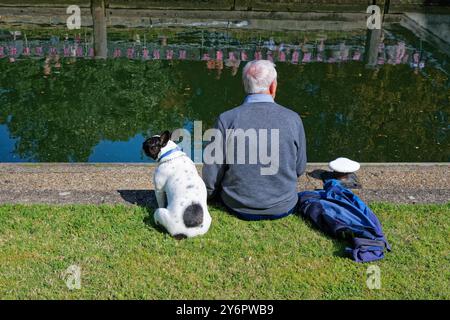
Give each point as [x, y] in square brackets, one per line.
[273, 89]
[164, 138]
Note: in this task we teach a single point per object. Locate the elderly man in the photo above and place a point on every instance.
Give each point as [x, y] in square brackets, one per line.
[242, 187]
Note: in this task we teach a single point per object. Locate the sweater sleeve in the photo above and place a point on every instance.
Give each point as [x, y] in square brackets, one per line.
[301, 150]
[212, 174]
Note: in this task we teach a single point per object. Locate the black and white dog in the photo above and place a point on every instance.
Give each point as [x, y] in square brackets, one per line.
[180, 191]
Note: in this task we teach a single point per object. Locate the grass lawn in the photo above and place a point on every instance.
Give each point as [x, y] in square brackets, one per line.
[122, 255]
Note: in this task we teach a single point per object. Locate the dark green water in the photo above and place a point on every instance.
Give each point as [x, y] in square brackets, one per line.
[101, 111]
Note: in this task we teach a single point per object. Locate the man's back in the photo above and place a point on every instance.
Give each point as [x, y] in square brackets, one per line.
[262, 177]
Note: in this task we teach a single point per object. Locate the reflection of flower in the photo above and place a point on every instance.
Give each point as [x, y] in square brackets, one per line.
[234, 64]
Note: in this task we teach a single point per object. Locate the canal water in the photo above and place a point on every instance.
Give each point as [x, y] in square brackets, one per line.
[57, 104]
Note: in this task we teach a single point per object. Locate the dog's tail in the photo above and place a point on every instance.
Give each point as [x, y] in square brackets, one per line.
[193, 215]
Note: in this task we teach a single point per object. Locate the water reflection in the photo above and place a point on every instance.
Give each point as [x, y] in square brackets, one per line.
[376, 50]
[58, 107]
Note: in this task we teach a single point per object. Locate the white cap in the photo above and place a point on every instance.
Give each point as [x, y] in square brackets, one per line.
[344, 165]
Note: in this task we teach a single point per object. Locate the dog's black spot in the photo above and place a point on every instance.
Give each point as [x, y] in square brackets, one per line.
[180, 236]
[190, 186]
[193, 215]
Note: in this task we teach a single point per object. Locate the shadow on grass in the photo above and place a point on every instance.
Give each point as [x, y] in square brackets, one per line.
[339, 247]
[145, 199]
[338, 244]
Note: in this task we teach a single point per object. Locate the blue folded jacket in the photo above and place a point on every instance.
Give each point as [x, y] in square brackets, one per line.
[340, 213]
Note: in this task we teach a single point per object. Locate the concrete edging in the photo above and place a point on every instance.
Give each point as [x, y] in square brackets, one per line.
[131, 183]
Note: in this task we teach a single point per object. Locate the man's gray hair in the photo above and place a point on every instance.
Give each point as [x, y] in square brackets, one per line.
[258, 75]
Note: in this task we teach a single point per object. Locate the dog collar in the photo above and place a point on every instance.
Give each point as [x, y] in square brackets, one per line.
[169, 152]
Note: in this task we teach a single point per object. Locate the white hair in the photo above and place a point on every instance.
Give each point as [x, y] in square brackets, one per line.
[258, 75]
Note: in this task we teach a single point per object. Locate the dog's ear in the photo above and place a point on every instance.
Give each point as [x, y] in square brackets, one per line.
[146, 148]
[164, 138]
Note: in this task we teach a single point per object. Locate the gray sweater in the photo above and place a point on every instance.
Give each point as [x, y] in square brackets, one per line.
[241, 186]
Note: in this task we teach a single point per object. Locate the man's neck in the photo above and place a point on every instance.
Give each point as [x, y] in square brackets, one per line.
[259, 97]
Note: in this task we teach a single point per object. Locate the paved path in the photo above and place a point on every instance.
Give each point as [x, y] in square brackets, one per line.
[131, 183]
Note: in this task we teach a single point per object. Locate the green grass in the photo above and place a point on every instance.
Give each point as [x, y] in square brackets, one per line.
[122, 255]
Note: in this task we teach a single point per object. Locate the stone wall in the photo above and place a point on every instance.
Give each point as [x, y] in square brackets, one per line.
[253, 5]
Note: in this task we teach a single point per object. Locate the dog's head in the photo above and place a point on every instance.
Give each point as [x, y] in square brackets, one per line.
[153, 145]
